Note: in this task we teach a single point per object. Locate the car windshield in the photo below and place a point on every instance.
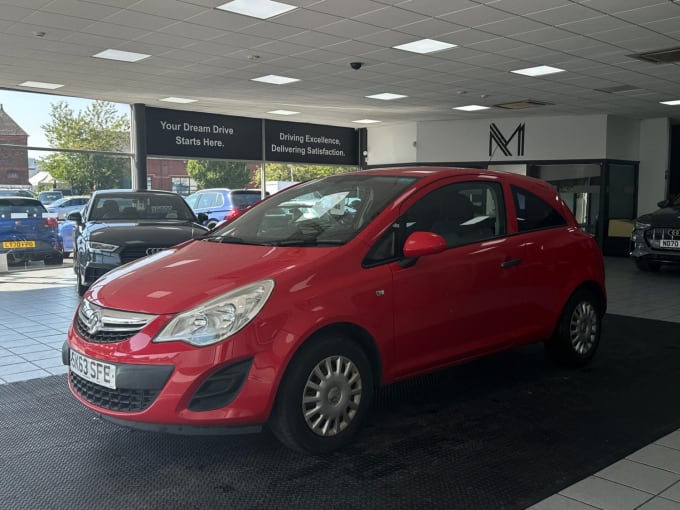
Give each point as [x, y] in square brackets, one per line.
[243, 199]
[20, 208]
[329, 211]
[142, 206]
[59, 202]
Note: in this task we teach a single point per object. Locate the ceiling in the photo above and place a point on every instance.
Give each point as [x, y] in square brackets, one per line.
[211, 55]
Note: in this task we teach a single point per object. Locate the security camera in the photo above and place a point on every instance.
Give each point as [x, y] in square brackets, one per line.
[356, 65]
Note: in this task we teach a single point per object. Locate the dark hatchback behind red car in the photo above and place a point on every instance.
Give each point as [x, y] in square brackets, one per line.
[292, 314]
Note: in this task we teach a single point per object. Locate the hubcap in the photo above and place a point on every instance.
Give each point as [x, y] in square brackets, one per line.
[331, 396]
[583, 327]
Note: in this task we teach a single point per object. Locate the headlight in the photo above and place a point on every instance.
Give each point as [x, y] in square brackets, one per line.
[219, 318]
[101, 247]
[641, 226]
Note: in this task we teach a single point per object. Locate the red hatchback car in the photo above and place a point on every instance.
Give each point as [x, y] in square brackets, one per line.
[292, 314]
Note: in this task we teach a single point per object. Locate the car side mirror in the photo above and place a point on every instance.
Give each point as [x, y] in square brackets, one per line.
[75, 216]
[423, 243]
[663, 203]
[202, 218]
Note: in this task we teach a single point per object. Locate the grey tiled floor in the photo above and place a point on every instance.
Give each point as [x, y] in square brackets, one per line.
[37, 305]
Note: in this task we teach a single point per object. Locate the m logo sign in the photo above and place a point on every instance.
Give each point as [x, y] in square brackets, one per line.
[502, 143]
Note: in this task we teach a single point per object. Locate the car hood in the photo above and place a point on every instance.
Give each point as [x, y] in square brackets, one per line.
[162, 234]
[665, 217]
[180, 278]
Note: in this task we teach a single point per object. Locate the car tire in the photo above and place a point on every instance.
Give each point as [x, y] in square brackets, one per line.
[577, 335]
[54, 260]
[15, 260]
[644, 265]
[82, 288]
[324, 395]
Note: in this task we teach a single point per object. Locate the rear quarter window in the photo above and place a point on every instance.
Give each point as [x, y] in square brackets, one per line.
[534, 213]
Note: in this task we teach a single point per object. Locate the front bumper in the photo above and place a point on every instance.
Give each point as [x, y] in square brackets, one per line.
[644, 248]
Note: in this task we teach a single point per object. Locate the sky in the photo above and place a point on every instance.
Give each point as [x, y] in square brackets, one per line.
[31, 110]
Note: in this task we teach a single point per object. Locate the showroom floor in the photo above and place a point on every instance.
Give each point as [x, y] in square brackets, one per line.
[37, 304]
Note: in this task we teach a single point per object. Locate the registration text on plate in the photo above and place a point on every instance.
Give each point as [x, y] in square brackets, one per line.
[94, 371]
[18, 244]
[666, 243]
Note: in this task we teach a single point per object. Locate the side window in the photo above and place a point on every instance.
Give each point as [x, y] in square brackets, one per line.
[534, 213]
[461, 213]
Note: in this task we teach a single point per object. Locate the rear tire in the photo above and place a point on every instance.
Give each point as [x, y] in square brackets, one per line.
[577, 335]
[54, 260]
[324, 395]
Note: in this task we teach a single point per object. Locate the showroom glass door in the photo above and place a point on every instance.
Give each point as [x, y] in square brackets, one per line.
[621, 207]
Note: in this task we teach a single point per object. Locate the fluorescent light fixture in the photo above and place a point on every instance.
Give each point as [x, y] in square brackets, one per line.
[675, 102]
[425, 46]
[263, 9]
[538, 71]
[275, 79]
[124, 56]
[386, 96]
[41, 85]
[181, 100]
[366, 121]
[283, 112]
[470, 108]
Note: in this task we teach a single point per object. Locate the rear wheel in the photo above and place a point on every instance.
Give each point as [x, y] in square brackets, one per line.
[54, 260]
[15, 259]
[577, 335]
[324, 396]
[644, 265]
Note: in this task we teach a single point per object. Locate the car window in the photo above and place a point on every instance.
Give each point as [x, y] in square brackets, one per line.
[461, 213]
[21, 208]
[140, 207]
[243, 199]
[534, 213]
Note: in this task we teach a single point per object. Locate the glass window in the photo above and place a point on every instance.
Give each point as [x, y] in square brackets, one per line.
[533, 213]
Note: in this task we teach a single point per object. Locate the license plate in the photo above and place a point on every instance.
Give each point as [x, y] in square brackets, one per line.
[670, 244]
[18, 244]
[94, 371]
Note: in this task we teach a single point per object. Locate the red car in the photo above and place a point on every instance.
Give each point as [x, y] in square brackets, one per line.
[292, 314]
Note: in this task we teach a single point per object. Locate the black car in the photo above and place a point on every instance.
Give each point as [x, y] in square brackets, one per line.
[656, 237]
[119, 226]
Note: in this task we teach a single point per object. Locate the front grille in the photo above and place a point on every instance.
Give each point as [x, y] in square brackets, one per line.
[104, 325]
[115, 400]
[130, 253]
[654, 237]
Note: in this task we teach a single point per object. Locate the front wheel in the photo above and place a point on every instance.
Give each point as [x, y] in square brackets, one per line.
[324, 395]
[577, 335]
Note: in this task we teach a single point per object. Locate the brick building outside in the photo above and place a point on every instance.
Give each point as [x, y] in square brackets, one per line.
[13, 160]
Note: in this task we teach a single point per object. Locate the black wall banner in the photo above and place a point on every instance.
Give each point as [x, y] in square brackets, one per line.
[295, 142]
[202, 135]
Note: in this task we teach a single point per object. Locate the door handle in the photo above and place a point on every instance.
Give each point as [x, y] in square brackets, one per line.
[511, 263]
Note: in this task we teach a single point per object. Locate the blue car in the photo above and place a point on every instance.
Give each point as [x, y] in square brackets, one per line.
[66, 229]
[28, 232]
[221, 204]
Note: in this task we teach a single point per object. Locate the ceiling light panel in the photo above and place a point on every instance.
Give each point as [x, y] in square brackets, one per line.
[425, 46]
[41, 85]
[471, 108]
[366, 121]
[283, 112]
[275, 79]
[180, 100]
[262, 9]
[123, 56]
[538, 71]
[675, 102]
[387, 96]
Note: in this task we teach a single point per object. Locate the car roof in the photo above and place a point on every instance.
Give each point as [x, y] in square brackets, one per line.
[133, 192]
[20, 201]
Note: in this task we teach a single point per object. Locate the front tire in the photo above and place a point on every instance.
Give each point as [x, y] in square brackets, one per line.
[324, 395]
[54, 260]
[82, 288]
[577, 335]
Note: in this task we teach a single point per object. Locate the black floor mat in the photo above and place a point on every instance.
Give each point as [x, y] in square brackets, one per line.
[499, 433]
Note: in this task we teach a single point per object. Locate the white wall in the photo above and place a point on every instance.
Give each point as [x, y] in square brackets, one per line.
[654, 150]
[623, 137]
[396, 144]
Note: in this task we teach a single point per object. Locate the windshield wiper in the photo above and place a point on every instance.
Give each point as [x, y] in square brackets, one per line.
[305, 242]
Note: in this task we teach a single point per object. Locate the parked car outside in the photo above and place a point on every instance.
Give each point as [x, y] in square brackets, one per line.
[64, 206]
[119, 226]
[655, 240]
[221, 204]
[66, 232]
[293, 320]
[47, 197]
[28, 232]
[16, 192]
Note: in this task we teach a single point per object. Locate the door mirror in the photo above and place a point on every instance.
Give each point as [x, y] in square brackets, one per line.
[75, 216]
[202, 218]
[664, 203]
[423, 243]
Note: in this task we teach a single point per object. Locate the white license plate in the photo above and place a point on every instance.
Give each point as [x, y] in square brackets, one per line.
[670, 244]
[94, 371]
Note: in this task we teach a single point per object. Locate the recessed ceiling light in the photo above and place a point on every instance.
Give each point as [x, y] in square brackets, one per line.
[181, 100]
[675, 102]
[283, 112]
[538, 71]
[263, 9]
[275, 79]
[41, 85]
[425, 46]
[386, 96]
[366, 121]
[124, 56]
[471, 108]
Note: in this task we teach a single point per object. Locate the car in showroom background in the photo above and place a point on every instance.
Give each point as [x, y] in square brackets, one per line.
[28, 232]
[291, 318]
[655, 240]
[119, 226]
[222, 204]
